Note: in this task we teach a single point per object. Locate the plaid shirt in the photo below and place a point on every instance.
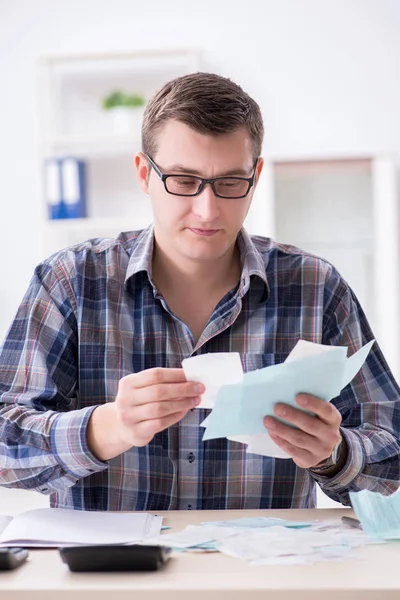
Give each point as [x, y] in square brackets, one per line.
[92, 315]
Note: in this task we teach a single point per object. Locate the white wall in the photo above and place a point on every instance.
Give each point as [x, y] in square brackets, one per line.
[324, 73]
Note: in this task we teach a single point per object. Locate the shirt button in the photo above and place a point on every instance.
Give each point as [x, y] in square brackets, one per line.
[189, 507]
[190, 457]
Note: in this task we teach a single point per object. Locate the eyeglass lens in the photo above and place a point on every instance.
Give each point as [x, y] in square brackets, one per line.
[227, 187]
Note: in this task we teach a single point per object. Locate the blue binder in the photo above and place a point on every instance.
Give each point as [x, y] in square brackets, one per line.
[52, 185]
[65, 188]
[73, 188]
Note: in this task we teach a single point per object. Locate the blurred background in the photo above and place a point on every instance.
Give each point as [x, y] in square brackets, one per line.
[76, 75]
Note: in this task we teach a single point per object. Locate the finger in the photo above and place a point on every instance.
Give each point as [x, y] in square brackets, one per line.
[300, 439]
[308, 423]
[160, 410]
[154, 376]
[313, 425]
[303, 458]
[147, 429]
[326, 411]
[161, 392]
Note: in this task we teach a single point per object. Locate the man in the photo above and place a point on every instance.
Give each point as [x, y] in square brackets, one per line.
[96, 410]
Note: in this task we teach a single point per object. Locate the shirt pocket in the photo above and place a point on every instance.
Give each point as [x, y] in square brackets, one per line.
[252, 361]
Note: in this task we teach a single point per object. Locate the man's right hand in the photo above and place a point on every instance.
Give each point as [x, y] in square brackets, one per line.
[146, 403]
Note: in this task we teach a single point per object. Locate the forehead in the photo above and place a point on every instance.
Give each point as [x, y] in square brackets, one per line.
[176, 142]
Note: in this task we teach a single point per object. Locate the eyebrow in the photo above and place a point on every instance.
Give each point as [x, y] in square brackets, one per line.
[177, 168]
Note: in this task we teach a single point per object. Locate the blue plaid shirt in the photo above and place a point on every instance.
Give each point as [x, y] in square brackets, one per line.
[92, 315]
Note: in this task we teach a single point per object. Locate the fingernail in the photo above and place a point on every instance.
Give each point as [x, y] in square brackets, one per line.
[199, 388]
[196, 401]
[302, 400]
[269, 423]
[281, 411]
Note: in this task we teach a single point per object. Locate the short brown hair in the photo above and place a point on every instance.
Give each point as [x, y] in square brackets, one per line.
[208, 103]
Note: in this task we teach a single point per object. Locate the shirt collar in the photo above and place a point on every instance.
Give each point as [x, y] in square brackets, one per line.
[251, 260]
[253, 264]
[142, 253]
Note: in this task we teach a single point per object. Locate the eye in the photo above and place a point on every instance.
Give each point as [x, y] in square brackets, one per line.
[230, 183]
[183, 181]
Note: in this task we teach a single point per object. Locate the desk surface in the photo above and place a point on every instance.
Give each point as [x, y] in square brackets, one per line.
[214, 576]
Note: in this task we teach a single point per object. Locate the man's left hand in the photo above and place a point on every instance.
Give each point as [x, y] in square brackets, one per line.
[314, 438]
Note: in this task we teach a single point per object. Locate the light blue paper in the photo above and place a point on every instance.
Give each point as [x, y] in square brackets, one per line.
[240, 409]
[379, 515]
[225, 415]
[317, 375]
[259, 522]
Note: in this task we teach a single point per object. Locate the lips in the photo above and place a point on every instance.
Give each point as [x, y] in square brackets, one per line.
[204, 232]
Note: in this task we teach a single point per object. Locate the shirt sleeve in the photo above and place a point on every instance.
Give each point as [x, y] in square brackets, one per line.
[42, 429]
[369, 405]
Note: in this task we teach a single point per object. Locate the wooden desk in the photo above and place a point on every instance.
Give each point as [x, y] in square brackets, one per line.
[215, 576]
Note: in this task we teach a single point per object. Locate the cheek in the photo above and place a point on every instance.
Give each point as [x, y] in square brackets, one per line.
[168, 208]
[236, 213]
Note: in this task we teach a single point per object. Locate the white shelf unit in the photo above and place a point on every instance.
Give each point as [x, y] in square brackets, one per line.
[345, 209]
[73, 123]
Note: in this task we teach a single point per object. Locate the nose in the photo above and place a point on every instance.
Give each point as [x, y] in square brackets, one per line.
[205, 205]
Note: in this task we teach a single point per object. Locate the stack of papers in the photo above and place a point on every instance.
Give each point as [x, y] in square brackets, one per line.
[240, 401]
[54, 527]
[270, 541]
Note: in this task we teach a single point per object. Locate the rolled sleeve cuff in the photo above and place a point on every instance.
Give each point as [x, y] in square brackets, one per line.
[355, 464]
[69, 445]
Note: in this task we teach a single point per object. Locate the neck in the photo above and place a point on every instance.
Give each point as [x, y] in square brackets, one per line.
[171, 273]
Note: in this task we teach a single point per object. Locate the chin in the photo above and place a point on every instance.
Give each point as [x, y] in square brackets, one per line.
[203, 254]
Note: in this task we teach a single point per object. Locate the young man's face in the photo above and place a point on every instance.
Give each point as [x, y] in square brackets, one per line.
[200, 228]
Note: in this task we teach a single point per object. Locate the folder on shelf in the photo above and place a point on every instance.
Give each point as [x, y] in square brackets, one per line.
[52, 186]
[73, 188]
[65, 188]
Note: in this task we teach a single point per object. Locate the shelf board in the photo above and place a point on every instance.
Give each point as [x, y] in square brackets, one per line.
[151, 53]
[101, 145]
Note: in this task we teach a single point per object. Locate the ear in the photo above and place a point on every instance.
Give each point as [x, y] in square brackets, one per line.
[142, 171]
[259, 168]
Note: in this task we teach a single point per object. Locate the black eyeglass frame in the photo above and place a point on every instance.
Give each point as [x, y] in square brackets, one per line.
[203, 182]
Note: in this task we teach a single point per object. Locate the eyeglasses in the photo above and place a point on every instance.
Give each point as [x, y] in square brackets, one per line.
[191, 185]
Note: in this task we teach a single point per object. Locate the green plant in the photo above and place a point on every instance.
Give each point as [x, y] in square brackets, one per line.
[118, 98]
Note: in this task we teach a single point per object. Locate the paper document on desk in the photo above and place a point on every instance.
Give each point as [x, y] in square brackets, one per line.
[242, 400]
[279, 545]
[269, 540]
[379, 515]
[258, 522]
[54, 527]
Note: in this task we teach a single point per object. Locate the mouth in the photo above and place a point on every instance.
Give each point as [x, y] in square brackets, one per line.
[203, 232]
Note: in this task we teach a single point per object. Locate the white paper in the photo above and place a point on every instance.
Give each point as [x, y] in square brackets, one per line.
[193, 535]
[257, 443]
[304, 348]
[279, 545]
[51, 527]
[261, 443]
[4, 521]
[213, 371]
[270, 543]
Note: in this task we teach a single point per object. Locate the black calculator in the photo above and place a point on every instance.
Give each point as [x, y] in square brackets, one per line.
[133, 557]
[11, 558]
